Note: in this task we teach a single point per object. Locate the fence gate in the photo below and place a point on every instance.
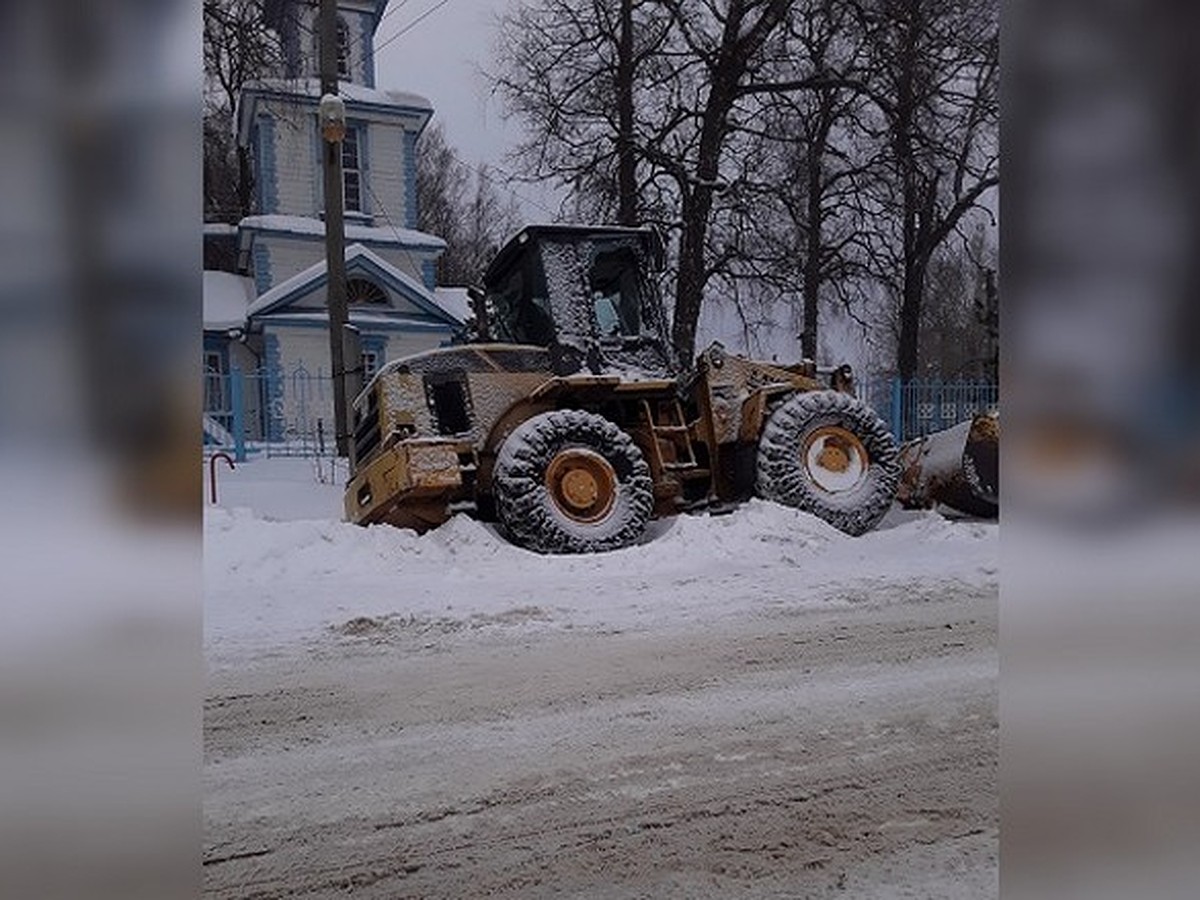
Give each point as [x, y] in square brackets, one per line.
[269, 412]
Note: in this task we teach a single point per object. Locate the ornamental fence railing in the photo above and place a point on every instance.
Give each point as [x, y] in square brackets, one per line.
[276, 413]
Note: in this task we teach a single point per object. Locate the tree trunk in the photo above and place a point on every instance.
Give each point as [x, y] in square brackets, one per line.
[815, 236]
[627, 213]
[914, 272]
[697, 208]
[812, 268]
[910, 319]
[245, 186]
[689, 286]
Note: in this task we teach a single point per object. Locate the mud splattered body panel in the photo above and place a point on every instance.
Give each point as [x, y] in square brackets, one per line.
[698, 435]
[448, 399]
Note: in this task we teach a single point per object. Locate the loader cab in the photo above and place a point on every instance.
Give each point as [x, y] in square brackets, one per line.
[589, 294]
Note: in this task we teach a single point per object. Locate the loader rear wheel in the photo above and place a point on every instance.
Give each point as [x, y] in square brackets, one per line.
[571, 481]
[826, 453]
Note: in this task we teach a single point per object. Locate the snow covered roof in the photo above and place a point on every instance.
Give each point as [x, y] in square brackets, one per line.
[226, 298]
[308, 91]
[305, 225]
[357, 257]
[350, 91]
[367, 320]
[455, 301]
[274, 11]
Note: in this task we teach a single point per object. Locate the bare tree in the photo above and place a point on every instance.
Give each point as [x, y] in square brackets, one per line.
[488, 221]
[238, 47]
[807, 225]
[934, 80]
[442, 183]
[954, 336]
[462, 206]
[728, 50]
[785, 144]
[578, 76]
[671, 72]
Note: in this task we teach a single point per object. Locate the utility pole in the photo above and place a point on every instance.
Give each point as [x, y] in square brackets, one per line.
[333, 127]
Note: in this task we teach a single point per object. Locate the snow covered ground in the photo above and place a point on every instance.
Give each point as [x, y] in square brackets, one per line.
[745, 705]
[281, 568]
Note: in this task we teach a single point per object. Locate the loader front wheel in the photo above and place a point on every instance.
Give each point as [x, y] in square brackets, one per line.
[571, 481]
[826, 453]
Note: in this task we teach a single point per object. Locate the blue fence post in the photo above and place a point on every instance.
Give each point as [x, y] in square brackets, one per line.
[237, 394]
[897, 409]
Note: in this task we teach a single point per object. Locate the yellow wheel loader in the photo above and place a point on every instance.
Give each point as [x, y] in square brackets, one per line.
[566, 418]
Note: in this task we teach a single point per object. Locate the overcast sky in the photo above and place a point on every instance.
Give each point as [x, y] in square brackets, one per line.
[442, 58]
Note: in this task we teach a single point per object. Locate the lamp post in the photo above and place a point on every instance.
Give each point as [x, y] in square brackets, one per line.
[332, 116]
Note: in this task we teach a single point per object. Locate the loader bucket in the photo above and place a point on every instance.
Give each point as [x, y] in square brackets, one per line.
[958, 467]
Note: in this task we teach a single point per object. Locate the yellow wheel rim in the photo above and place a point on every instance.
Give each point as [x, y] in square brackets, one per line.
[582, 484]
[834, 459]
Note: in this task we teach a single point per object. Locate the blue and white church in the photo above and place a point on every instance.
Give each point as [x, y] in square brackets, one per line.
[268, 315]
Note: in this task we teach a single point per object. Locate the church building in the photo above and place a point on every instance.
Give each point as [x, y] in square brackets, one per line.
[268, 315]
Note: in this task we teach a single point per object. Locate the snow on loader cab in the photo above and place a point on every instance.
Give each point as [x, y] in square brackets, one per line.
[567, 419]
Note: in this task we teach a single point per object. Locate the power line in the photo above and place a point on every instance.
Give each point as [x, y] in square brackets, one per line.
[366, 182]
[413, 24]
[395, 8]
[481, 172]
[504, 187]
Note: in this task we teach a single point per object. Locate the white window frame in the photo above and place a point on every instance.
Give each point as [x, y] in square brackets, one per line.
[215, 387]
[352, 169]
[370, 363]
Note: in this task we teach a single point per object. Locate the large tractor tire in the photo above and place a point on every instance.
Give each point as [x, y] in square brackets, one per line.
[826, 453]
[571, 482]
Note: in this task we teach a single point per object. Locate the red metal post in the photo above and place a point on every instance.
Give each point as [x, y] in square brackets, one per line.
[212, 473]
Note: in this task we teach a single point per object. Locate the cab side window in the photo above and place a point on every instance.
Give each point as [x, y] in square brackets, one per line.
[613, 287]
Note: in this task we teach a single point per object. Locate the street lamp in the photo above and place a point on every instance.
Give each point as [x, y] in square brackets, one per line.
[332, 114]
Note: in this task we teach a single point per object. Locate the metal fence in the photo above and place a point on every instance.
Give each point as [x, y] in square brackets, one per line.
[925, 405]
[275, 413]
[269, 412]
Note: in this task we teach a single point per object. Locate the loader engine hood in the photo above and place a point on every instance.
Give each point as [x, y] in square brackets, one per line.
[450, 392]
[587, 294]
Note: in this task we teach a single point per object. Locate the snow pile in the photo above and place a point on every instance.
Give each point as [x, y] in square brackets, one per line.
[271, 583]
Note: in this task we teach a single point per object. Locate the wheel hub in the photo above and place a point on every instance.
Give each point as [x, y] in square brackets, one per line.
[835, 459]
[579, 488]
[582, 484]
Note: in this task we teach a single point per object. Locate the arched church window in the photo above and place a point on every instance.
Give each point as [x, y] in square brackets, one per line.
[361, 291]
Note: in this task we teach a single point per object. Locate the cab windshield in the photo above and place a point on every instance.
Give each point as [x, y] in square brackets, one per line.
[515, 316]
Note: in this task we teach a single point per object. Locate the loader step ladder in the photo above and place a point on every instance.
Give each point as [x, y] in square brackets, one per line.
[665, 421]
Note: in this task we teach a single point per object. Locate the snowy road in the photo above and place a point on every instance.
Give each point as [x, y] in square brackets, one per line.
[747, 706]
